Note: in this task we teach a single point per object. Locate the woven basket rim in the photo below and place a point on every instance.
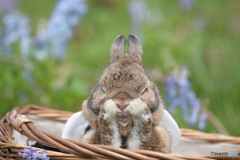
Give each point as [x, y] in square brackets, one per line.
[82, 150]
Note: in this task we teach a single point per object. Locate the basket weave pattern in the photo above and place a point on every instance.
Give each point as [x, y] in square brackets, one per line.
[82, 150]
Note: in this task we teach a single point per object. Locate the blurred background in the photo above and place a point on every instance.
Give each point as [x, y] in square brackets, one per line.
[53, 52]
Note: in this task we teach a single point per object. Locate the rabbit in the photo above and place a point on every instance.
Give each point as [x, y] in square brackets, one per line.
[125, 108]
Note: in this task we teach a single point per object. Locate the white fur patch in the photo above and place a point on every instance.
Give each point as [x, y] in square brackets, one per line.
[110, 109]
[116, 138]
[134, 139]
[137, 109]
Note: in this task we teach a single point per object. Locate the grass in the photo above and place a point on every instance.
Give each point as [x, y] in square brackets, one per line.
[211, 53]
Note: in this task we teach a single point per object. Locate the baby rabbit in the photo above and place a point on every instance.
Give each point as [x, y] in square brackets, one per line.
[124, 108]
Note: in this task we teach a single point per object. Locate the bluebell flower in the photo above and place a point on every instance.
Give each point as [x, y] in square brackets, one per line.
[1, 38]
[32, 154]
[170, 86]
[183, 82]
[186, 5]
[179, 94]
[24, 36]
[44, 155]
[39, 42]
[17, 29]
[11, 32]
[174, 104]
[7, 6]
[138, 11]
[65, 17]
[21, 154]
[202, 121]
[52, 39]
[196, 107]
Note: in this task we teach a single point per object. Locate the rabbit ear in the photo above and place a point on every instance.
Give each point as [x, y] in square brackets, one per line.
[134, 47]
[118, 48]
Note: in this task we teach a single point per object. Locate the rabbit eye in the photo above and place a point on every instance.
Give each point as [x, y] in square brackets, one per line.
[145, 90]
[103, 89]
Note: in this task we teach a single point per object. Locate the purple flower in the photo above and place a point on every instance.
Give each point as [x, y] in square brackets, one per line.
[59, 29]
[1, 41]
[179, 94]
[24, 36]
[170, 86]
[7, 6]
[196, 106]
[65, 17]
[53, 38]
[11, 32]
[202, 121]
[183, 82]
[186, 5]
[44, 155]
[17, 29]
[32, 154]
[174, 104]
[21, 154]
[138, 11]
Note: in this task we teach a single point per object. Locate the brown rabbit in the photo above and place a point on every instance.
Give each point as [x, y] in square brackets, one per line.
[125, 108]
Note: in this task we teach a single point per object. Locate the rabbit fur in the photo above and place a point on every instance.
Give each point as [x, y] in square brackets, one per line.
[124, 108]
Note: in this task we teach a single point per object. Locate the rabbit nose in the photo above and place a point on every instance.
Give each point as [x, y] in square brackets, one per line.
[122, 107]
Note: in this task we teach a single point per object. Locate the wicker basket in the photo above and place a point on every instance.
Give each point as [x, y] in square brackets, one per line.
[82, 150]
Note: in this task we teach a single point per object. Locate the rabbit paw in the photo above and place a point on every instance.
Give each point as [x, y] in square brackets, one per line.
[110, 108]
[108, 127]
[138, 109]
